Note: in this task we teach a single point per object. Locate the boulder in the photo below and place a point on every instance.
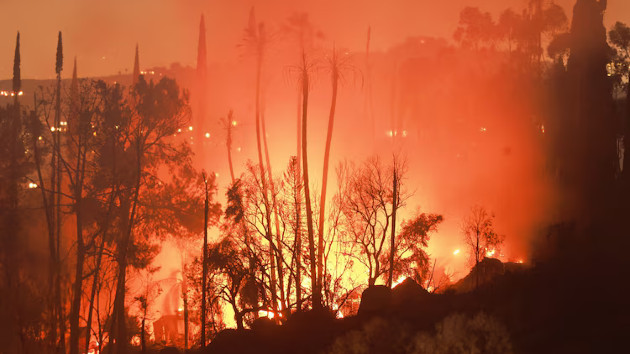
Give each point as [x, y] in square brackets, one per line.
[376, 298]
[408, 291]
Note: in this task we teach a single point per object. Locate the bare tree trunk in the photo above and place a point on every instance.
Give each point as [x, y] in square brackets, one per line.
[317, 295]
[204, 263]
[185, 299]
[229, 144]
[34, 124]
[390, 279]
[322, 203]
[93, 294]
[78, 280]
[118, 323]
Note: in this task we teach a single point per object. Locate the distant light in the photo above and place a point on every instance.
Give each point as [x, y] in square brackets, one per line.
[542, 128]
[20, 93]
[404, 133]
[40, 138]
[390, 133]
[94, 133]
[483, 129]
[234, 123]
[216, 175]
[179, 130]
[456, 252]
[190, 128]
[520, 261]
[52, 129]
[207, 135]
[63, 123]
[238, 149]
[490, 253]
[32, 185]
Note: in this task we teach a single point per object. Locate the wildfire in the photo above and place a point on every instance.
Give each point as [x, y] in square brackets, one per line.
[268, 314]
[400, 280]
[11, 93]
[490, 253]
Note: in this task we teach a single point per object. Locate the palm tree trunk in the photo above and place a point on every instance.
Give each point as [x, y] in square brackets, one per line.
[322, 203]
[298, 210]
[228, 144]
[392, 250]
[272, 281]
[317, 295]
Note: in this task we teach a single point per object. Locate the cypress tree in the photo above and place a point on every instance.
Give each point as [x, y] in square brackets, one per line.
[17, 78]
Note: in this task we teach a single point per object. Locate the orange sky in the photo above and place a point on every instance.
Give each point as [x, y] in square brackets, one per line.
[103, 34]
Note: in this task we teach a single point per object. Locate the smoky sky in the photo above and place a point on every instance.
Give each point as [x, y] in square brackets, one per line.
[102, 34]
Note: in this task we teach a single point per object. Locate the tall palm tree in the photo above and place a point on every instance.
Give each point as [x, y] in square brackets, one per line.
[317, 293]
[334, 68]
[256, 40]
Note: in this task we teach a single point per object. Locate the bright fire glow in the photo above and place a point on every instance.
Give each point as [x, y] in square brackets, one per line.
[268, 314]
[400, 280]
[190, 128]
[456, 252]
[207, 135]
[490, 253]
[234, 123]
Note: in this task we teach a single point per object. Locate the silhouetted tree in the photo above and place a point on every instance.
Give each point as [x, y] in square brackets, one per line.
[620, 39]
[367, 198]
[475, 28]
[480, 236]
[594, 140]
